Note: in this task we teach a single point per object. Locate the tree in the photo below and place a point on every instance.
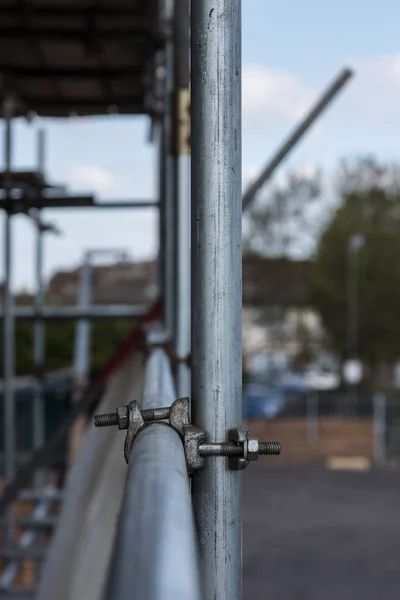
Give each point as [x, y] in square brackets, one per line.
[281, 222]
[370, 206]
[106, 337]
[279, 229]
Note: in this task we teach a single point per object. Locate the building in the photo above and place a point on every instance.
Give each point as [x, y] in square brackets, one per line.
[118, 283]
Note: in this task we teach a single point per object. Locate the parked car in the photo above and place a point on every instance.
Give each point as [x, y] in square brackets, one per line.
[262, 402]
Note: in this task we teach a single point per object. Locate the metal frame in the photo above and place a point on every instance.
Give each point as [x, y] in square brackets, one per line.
[8, 327]
[155, 553]
[39, 433]
[181, 152]
[83, 341]
[216, 283]
[169, 215]
[24, 204]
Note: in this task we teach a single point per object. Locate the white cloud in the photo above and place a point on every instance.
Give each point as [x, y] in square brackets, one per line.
[91, 178]
[249, 174]
[273, 92]
[307, 171]
[386, 68]
[374, 95]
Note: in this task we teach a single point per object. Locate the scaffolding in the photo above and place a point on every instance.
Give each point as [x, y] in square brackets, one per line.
[179, 530]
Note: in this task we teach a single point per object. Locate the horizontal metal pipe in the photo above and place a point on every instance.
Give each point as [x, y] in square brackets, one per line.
[155, 553]
[71, 313]
[21, 205]
[127, 204]
[25, 203]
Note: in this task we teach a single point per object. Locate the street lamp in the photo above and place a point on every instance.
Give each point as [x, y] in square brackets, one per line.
[353, 367]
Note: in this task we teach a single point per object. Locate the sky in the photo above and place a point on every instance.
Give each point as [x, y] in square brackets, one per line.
[291, 52]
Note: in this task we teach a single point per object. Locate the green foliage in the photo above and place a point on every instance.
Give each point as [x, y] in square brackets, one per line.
[106, 337]
[279, 224]
[370, 206]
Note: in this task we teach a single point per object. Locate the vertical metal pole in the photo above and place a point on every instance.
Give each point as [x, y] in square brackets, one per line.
[216, 276]
[161, 212]
[81, 355]
[170, 204]
[8, 325]
[39, 332]
[312, 417]
[181, 151]
[379, 429]
[41, 151]
[82, 337]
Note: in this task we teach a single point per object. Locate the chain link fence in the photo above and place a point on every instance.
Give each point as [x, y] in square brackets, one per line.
[317, 427]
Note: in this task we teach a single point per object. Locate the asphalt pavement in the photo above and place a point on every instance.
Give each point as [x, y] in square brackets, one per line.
[315, 534]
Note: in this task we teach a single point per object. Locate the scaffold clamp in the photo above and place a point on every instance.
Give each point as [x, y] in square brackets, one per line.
[241, 449]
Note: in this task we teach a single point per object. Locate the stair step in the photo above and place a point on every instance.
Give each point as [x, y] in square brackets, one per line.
[23, 553]
[37, 496]
[31, 523]
[21, 592]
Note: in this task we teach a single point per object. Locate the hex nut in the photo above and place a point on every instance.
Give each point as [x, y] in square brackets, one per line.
[123, 418]
[252, 448]
[238, 436]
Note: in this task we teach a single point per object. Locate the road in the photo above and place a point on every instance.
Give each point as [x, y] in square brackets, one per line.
[314, 534]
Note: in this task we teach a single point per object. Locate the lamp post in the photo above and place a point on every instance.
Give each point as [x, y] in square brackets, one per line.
[353, 367]
[355, 243]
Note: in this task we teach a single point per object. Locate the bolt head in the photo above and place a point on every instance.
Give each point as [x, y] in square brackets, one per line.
[252, 448]
[238, 435]
[123, 418]
[240, 464]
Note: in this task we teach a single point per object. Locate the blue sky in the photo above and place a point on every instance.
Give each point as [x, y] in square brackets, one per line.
[291, 51]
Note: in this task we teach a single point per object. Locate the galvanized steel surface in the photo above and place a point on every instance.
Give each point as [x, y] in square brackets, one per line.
[155, 553]
[182, 296]
[39, 353]
[181, 333]
[170, 201]
[216, 288]
[158, 388]
[79, 555]
[8, 328]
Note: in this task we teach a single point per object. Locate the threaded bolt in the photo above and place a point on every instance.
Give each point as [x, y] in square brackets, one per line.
[148, 415]
[273, 448]
[155, 414]
[106, 420]
[232, 449]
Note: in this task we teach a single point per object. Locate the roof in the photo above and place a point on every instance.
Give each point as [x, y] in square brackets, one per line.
[84, 57]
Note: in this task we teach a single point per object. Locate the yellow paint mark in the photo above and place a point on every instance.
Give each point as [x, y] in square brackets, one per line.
[348, 463]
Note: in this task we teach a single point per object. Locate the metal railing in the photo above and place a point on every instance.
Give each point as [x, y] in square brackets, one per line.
[155, 553]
